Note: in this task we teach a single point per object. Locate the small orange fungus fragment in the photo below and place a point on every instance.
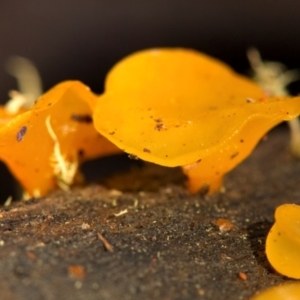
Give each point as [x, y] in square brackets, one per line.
[283, 241]
[187, 109]
[224, 225]
[288, 291]
[242, 275]
[77, 271]
[43, 146]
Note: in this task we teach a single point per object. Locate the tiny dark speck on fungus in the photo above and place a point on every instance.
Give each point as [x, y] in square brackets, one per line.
[82, 118]
[80, 152]
[21, 133]
[234, 155]
[146, 150]
[160, 127]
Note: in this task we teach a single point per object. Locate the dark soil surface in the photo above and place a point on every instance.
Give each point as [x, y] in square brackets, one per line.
[141, 235]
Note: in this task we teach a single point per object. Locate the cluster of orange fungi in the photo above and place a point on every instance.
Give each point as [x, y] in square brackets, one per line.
[166, 106]
[172, 107]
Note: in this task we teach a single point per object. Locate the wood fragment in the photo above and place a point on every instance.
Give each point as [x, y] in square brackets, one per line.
[105, 242]
[8, 201]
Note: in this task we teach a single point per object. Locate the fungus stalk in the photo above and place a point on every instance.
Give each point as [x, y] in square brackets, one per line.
[273, 77]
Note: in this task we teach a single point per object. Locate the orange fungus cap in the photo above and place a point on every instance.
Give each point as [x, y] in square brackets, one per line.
[43, 146]
[179, 107]
[283, 241]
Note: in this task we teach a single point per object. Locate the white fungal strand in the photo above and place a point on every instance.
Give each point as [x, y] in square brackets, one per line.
[28, 78]
[64, 170]
[29, 84]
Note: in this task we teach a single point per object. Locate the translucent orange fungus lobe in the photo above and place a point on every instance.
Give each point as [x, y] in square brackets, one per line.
[43, 146]
[289, 291]
[283, 241]
[178, 107]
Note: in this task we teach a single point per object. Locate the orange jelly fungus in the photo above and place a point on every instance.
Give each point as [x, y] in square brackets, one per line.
[288, 291]
[283, 241]
[178, 107]
[43, 146]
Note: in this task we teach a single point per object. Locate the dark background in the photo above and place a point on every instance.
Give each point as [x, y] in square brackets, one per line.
[82, 39]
